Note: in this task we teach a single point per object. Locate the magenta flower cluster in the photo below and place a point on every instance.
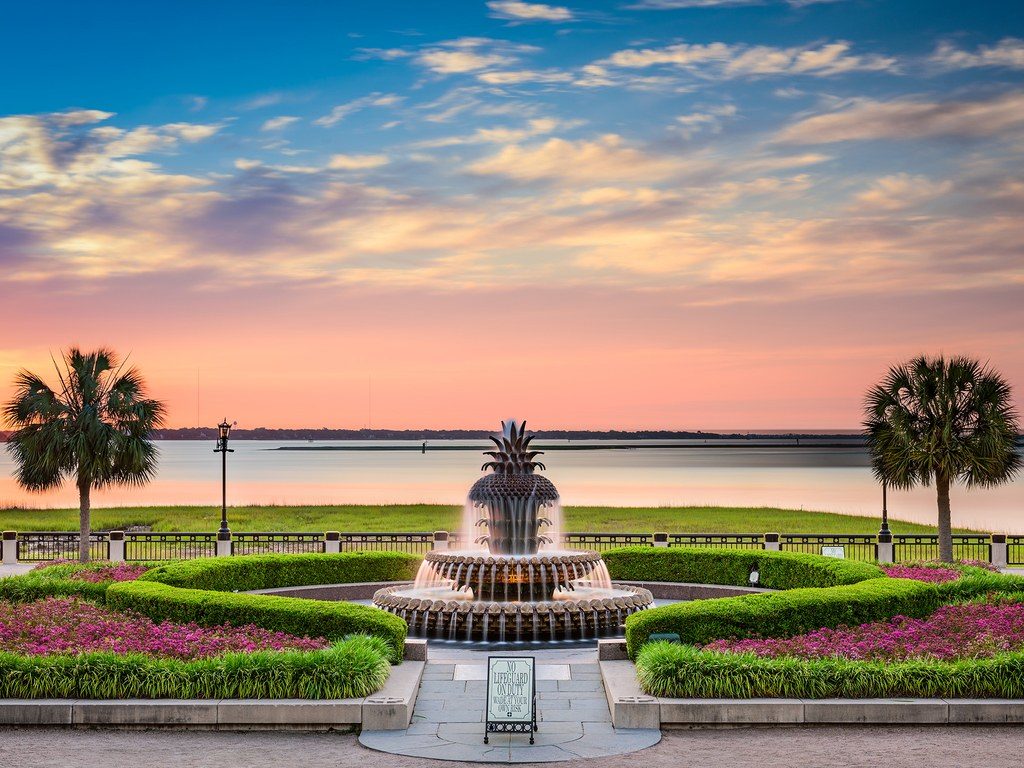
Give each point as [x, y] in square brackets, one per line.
[969, 630]
[96, 573]
[921, 573]
[71, 626]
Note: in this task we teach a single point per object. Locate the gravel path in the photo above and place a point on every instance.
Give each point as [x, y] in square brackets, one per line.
[799, 747]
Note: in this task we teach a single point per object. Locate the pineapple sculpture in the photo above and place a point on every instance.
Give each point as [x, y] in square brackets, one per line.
[512, 498]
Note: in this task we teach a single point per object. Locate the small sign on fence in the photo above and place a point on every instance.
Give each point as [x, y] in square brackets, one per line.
[511, 696]
[839, 552]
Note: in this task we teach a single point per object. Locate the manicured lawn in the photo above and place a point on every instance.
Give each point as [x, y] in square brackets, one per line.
[430, 517]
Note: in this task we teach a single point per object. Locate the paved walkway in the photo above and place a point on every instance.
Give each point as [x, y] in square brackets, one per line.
[572, 714]
[931, 746]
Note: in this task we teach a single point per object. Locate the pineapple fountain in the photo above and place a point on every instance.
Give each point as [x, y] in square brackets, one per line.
[517, 585]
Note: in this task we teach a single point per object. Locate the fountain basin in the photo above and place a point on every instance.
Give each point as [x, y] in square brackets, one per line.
[583, 614]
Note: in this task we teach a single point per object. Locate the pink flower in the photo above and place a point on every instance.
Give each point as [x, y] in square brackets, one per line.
[71, 626]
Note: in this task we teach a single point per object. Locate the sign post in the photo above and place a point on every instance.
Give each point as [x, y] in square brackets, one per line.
[511, 696]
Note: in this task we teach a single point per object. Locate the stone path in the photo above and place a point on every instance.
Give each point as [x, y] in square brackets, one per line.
[572, 714]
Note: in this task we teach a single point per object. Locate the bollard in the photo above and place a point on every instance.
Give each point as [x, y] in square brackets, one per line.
[10, 553]
[115, 546]
[884, 546]
[771, 542]
[332, 542]
[224, 544]
[440, 540]
[998, 549]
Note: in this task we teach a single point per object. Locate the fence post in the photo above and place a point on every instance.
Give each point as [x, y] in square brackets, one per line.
[998, 550]
[440, 540]
[115, 546]
[10, 548]
[224, 546]
[885, 552]
[771, 542]
[332, 542]
[660, 539]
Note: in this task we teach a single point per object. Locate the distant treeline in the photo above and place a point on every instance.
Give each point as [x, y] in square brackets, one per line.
[263, 433]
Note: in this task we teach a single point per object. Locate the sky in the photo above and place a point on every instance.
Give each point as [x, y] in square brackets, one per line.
[677, 214]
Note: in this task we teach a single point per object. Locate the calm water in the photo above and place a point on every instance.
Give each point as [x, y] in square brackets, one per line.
[820, 478]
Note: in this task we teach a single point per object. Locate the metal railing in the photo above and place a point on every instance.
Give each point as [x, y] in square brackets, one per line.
[277, 543]
[723, 540]
[855, 546]
[169, 546]
[603, 541]
[415, 543]
[966, 546]
[42, 546]
[1015, 550]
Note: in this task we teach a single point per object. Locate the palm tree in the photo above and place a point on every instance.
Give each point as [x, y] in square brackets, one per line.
[942, 420]
[94, 428]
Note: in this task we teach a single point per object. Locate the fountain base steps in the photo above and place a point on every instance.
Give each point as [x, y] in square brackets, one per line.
[573, 718]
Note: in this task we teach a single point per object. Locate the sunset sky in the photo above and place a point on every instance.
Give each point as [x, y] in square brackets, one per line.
[693, 214]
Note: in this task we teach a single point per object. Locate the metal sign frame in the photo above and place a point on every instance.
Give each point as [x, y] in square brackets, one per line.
[494, 725]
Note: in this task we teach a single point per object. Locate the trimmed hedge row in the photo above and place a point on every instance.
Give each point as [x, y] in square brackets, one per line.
[783, 614]
[778, 570]
[53, 581]
[355, 667]
[682, 671]
[250, 572]
[314, 618]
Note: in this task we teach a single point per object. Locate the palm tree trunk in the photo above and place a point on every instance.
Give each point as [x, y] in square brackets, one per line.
[84, 507]
[945, 518]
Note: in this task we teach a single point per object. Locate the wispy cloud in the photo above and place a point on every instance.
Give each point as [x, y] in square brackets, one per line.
[514, 10]
[356, 162]
[470, 54]
[341, 111]
[1008, 52]
[909, 119]
[277, 123]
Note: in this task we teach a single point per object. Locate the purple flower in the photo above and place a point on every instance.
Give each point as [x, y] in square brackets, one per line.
[72, 626]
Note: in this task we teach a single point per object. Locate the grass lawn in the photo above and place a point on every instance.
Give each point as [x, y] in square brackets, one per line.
[430, 517]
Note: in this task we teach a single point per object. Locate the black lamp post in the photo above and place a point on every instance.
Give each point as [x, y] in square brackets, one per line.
[884, 530]
[223, 431]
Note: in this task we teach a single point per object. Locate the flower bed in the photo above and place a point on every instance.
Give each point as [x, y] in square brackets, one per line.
[969, 630]
[71, 626]
[94, 573]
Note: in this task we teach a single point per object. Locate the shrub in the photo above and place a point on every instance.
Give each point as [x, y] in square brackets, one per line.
[251, 572]
[778, 570]
[356, 666]
[84, 580]
[674, 670]
[296, 616]
[783, 614]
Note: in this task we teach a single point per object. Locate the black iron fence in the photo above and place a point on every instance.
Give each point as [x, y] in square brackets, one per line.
[169, 546]
[41, 546]
[966, 546]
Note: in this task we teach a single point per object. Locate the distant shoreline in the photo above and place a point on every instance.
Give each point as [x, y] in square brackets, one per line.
[851, 445]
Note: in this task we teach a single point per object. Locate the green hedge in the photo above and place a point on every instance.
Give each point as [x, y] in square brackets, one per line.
[53, 581]
[778, 570]
[682, 671]
[783, 614]
[355, 667]
[297, 616]
[250, 572]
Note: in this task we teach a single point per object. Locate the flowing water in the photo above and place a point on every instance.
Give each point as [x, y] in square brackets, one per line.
[819, 478]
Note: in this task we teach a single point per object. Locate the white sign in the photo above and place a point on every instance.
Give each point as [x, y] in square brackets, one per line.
[839, 552]
[510, 689]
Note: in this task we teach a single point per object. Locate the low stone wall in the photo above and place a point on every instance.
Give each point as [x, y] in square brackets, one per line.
[355, 591]
[670, 590]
